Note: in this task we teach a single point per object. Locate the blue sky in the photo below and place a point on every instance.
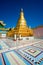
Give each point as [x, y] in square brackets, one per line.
[10, 10]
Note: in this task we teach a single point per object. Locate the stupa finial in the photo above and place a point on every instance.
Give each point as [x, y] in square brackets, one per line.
[21, 14]
[21, 9]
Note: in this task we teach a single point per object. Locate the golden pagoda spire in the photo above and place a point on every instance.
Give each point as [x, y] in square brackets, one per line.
[21, 14]
[21, 20]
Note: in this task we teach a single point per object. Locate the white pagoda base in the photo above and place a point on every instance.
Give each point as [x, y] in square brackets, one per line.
[27, 38]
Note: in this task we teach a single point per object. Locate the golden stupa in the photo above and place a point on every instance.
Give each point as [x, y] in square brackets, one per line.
[21, 28]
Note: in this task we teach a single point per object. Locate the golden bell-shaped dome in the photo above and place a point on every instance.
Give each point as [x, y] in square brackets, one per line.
[22, 28]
